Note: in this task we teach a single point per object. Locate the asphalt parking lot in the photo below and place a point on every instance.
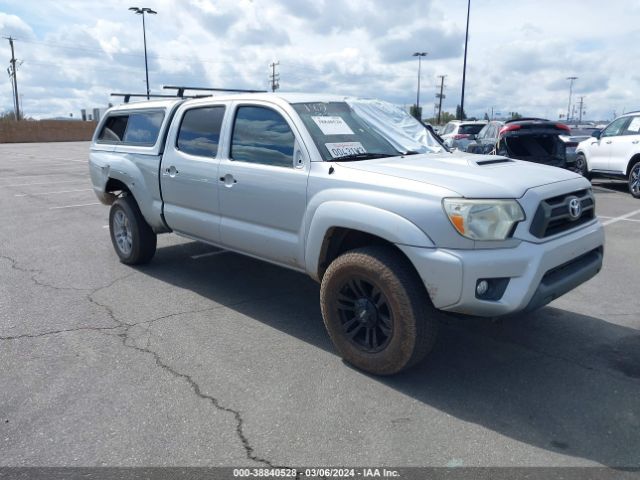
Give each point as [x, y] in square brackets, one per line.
[208, 358]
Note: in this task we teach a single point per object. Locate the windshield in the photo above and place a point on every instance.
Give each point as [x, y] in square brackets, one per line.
[363, 129]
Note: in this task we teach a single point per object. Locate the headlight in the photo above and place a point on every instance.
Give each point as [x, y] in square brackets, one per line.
[483, 219]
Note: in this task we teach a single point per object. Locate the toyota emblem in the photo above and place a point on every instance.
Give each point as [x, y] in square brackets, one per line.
[575, 208]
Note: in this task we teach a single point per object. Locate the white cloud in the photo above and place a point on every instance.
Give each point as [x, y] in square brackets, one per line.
[78, 51]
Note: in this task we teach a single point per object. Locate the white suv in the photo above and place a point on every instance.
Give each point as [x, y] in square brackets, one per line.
[613, 152]
[459, 134]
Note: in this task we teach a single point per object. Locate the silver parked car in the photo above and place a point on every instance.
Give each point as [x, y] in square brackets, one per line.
[359, 196]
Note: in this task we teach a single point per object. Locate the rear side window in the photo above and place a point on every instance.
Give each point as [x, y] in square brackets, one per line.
[634, 127]
[262, 135]
[136, 128]
[470, 129]
[200, 131]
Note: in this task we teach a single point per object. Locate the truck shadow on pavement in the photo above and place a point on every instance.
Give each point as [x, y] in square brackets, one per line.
[554, 379]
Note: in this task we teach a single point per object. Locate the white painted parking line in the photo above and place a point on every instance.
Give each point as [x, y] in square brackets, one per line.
[73, 206]
[621, 217]
[52, 193]
[41, 175]
[51, 182]
[105, 226]
[210, 254]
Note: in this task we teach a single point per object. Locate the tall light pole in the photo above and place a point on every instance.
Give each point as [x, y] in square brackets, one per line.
[142, 11]
[464, 67]
[419, 55]
[571, 80]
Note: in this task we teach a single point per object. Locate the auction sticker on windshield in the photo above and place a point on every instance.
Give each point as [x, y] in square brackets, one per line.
[332, 125]
[346, 148]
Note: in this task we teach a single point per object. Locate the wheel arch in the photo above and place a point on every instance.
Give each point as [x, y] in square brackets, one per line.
[635, 159]
[341, 226]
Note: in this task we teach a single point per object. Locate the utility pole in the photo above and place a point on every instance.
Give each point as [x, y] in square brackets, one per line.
[571, 80]
[440, 96]
[464, 67]
[274, 77]
[581, 109]
[14, 79]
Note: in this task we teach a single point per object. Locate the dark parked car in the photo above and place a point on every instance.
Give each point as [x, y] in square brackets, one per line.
[534, 140]
[486, 139]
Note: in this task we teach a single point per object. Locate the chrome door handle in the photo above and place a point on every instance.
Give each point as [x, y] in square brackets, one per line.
[635, 142]
[608, 142]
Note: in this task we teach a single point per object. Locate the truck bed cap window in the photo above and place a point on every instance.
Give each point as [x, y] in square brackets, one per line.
[134, 128]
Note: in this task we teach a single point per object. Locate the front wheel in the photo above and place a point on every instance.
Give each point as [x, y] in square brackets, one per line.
[580, 166]
[634, 180]
[377, 311]
[133, 239]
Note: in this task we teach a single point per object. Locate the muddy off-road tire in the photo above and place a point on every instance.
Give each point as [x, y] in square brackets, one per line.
[133, 239]
[377, 310]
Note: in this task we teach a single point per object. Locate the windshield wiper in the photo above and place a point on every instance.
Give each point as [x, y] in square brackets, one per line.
[411, 152]
[360, 156]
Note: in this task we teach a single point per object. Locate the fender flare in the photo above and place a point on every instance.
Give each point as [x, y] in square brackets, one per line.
[131, 176]
[365, 218]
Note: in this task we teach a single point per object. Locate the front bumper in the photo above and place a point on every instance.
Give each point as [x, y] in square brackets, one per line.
[537, 272]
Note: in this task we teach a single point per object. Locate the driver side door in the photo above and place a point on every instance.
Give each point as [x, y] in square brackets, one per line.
[600, 149]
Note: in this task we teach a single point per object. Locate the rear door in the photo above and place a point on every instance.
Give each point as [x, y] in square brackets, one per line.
[189, 172]
[263, 185]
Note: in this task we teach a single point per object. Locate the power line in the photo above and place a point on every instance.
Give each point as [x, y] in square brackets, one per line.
[274, 77]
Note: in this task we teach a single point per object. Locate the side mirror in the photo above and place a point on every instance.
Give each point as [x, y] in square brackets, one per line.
[597, 134]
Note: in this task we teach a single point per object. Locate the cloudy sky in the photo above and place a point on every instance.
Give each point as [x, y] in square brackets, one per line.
[75, 52]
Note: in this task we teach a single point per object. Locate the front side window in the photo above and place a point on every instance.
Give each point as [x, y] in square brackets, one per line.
[200, 131]
[262, 135]
[615, 128]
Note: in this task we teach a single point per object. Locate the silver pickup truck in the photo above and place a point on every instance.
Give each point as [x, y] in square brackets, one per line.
[359, 196]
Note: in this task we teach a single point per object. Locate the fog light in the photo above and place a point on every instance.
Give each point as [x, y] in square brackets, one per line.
[482, 287]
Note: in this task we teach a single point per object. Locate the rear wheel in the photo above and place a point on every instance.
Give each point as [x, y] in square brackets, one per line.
[377, 310]
[634, 180]
[133, 239]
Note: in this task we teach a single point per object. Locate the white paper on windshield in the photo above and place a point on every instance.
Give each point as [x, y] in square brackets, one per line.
[634, 126]
[345, 148]
[332, 125]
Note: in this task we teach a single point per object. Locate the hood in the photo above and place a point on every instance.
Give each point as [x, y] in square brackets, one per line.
[471, 176]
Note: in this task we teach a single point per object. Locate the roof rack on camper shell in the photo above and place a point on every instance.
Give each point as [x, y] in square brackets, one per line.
[180, 92]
